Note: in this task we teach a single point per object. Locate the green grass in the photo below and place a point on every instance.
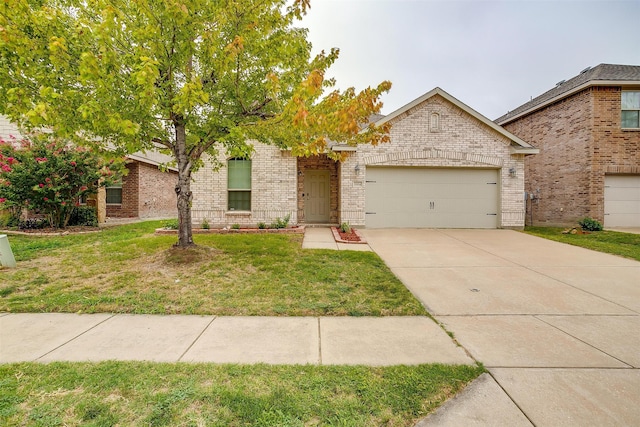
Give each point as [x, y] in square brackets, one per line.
[612, 242]
[128, 269]
[152, 394]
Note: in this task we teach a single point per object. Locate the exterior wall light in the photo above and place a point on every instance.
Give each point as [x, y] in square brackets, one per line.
[512, 172]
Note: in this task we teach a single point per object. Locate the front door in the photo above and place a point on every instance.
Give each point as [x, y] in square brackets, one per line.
[317, 196]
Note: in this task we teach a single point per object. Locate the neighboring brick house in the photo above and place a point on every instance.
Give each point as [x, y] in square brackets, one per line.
[588, 132]
[146, 191]
[446, 166]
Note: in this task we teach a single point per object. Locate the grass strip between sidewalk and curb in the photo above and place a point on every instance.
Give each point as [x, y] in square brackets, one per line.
[612, 242]
[155, 394]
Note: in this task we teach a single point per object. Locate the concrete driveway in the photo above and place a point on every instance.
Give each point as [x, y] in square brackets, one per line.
[557, 326]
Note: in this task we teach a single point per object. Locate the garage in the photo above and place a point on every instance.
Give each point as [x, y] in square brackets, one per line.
[622, 201]
[431, 197]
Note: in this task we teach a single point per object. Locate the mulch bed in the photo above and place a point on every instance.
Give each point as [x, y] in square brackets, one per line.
[288, 230]
[50, 231]
[353, 237]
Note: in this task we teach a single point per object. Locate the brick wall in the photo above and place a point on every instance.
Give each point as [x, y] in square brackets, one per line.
[457, 140]
[580, 141]
[130, 195]
[273, 190]
[147, 192]
[8, 129]
[157, 196]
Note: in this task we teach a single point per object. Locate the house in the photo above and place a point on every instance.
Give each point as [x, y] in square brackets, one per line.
[588, 131]
[145, 192]
[446, 166]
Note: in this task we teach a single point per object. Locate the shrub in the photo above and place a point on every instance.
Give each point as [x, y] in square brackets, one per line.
[49, 176]
[33, 224]
[262, 225]
[9, 219]
[171, 224]
[281, 223]
[84, 215]
[235, 227]
[345, 227]
[205, 224]
[590, 224]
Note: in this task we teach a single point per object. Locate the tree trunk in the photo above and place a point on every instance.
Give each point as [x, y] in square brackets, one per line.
[183, 187]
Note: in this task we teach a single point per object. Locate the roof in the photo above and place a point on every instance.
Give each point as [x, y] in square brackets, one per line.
[600, 75]
[518, 145]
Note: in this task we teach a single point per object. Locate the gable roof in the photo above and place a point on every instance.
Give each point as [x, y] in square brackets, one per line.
[517, 144]
[600, 75]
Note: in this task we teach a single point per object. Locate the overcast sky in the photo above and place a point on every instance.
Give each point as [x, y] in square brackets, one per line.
[491, 55]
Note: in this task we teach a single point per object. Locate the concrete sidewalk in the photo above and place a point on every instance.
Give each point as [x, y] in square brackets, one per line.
[322, 238]
[375, 341]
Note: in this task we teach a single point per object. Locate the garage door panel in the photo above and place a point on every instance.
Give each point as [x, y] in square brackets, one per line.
[431, 198]
[622, 201]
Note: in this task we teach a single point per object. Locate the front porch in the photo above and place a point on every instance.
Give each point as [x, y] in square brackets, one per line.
[318, 190]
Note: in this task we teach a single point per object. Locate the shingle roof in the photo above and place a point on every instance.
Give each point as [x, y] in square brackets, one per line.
[589, 76]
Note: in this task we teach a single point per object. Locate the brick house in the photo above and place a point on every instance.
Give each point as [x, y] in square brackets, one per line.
[588, 132]
[446, 166]
[146, 191]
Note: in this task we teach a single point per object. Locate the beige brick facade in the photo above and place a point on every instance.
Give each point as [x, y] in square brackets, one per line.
[8, 129]
[273, 190]
[580, 141]
[435, 133]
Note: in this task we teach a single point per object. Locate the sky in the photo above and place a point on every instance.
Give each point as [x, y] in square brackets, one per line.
[492, 55]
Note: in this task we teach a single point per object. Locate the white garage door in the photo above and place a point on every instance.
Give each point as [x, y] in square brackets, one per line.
[431, 198]
[622, 201]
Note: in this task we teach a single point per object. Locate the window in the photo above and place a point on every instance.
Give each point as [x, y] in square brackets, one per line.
[434, 122]
[114, 194]
[239, 184]
[631, 110]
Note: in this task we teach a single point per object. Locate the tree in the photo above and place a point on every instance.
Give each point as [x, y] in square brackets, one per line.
[48, 176]
[188, 76]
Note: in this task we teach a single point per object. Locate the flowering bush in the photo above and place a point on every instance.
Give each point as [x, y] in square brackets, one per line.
[49, 177]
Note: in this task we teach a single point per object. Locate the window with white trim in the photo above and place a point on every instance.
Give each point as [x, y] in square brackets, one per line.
[630, 110]
[114, 193]
[239, 184]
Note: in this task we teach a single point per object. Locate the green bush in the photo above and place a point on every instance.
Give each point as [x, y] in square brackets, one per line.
[235, 227]
[262, 225]
[345, 227]
[33, 224]
[590, 224]
[170, 224]
[281, 223]
[84, 215]
[205, 224]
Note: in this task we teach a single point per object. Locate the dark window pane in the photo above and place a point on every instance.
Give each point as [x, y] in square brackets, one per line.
[631, 119]
[114, 195]
[239, 200]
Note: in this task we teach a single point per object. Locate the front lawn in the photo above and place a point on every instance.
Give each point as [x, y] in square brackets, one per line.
[612, 242]
[128, 269]
[154, 394]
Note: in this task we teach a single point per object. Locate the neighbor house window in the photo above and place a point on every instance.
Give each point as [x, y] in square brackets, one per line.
[239, 184]
[631, 109]
[114, 194]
